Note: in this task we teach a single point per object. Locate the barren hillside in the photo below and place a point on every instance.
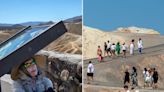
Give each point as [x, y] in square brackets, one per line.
[68, 43]
[71, 42]
[93, 37]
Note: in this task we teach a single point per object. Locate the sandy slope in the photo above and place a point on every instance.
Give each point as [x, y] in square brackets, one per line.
[67, 43]
[3, 35]
[96, 88]
[94, 37]
[75, 28]
[111, 72]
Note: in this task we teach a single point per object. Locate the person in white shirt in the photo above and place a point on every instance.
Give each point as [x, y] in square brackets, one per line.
[140, 46]
[148, 78]
[145, 75]
[124, 48]
[109, 48]
[90, 71]
[132, 47]
[113, 49]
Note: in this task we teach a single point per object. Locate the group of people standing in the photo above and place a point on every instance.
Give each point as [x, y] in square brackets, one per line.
[150, 77]
[112, 49]
[132, 46]
[131, 78]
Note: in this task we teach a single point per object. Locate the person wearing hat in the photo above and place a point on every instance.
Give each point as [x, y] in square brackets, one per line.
[28, 77]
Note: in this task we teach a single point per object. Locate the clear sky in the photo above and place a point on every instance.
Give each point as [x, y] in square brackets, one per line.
[110, 14]
[18, 11]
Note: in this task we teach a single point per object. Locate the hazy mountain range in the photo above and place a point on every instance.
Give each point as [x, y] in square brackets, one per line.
[70, 42]
[4, 26]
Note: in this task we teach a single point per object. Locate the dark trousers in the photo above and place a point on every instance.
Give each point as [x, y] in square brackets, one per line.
[139, 50]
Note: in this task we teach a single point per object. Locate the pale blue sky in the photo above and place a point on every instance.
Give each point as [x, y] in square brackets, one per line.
[108, 15]
[18, 11]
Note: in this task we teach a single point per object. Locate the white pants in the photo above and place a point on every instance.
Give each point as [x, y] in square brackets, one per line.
[131, 51]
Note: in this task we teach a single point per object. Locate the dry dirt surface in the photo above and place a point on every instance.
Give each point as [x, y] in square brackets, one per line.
[110, 72]
[67, 43]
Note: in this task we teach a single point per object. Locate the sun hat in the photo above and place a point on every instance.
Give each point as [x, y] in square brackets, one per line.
[40, 60]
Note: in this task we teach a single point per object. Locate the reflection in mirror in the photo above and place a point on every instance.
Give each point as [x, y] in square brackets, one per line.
[20, 40]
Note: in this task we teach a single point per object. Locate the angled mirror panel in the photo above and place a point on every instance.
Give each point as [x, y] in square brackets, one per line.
[27, 43]
[21, 39]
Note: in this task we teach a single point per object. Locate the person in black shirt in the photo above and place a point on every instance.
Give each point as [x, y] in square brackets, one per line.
[155, 78]
[126, 78]
[105, 49]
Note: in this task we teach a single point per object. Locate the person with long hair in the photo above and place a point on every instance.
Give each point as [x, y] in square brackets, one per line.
[134, 77]
[28, 77]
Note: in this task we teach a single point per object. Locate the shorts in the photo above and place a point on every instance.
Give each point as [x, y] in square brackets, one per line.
[113, 51]
[109, 49]
[90, 74]
[124, 51]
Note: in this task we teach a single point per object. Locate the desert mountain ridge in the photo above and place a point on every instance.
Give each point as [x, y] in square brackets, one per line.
[134, 29]
[7, 26]
[131, 29]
